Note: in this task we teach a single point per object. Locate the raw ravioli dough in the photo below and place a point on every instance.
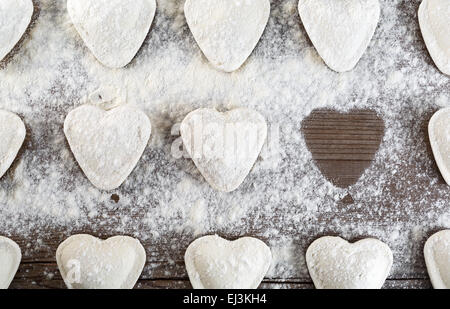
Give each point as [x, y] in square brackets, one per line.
[12, 135]
[15, 17]
[113, 30]
[107, 144]
[334, 263]
[439, 133]
[216, 263]
[434, 20]
[10, 256]
[437, 258]
[340, 30]
[86, 262]
[227, 31]
[224, 146]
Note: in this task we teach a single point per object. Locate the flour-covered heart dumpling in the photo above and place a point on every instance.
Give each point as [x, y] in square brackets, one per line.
[334, 263]
[216, 263]
[107, 144]
[113, 30]
[340, 30]
[12, 135]
[434, 20]
[437, 258]
[86, 262]
[224, 146]
[227, 31]
[10, 256]
[439, 133]
[15, 17]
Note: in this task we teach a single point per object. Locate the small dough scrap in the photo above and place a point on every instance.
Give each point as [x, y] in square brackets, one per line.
[340, 30]
[12, 136]
[86, 262]
[439, 133]
[15, 17]
[224, 146]
[434, 20]
[10, 257]
[216, 263]
[107, 144]
[437, 258]
[113, 30]
[334, 263]
[227, 31]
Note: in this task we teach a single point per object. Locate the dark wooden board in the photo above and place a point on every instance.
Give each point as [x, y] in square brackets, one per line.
[46, 276]
[344, 144]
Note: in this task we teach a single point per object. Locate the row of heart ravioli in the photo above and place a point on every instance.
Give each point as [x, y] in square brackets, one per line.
[340, 42]
[87, 262]
[108, 144]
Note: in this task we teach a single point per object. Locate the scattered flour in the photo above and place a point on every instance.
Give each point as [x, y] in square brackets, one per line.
[285, 200]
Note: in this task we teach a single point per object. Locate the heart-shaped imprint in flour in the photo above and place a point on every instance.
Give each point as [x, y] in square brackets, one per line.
[227, 31]
[340, 30]
[86, 262]
[216, 263]
[107, 144]
[437, 258]
[434, 20]
[10, 257]
[15, 17]
[12, 135]
[439, 133]
[113, 30]
[224, 146]
[334, 263]
[343, 145]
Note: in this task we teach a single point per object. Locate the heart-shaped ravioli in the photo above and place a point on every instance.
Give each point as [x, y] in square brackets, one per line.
[86, 262]
[10, 256]
[216, 263]
[113, 30]
[334, 263]
[224, 146]
[439, 133]
[434, 20]
[340, 30]
[15, 17]
[12, 135]
[437, 258]
[107, 144]
[227, 31]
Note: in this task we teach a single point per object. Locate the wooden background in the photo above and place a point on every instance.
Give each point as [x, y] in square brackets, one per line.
[343, 146]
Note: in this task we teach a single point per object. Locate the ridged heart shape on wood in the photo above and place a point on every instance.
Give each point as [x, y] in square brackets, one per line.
[434, 20]
[437, 258]
[224, 146]
[439, 133]
[216, 263]
[340, 30]
[12, 135]
[86, 262]
[113, 30]
[227, 31]
[343, 145]
[15, 17]
[10, 256]
[334, 263]
[107, 144]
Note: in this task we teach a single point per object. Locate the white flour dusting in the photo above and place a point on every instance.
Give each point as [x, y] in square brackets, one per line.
[285, 200]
